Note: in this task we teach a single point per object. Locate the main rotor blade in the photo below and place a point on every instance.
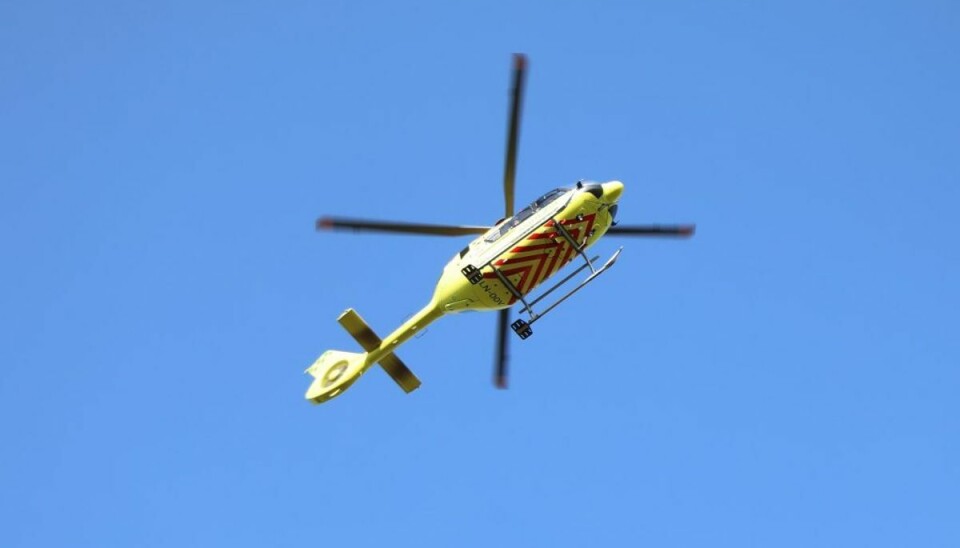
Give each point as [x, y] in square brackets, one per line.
[683, 231]
[500, 365]
[513, 131]
[361, 225]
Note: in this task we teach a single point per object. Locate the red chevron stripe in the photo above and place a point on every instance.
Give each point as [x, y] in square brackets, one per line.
[541, 270]
[535, 269]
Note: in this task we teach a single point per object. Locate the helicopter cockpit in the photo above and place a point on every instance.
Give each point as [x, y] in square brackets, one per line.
[525, 213]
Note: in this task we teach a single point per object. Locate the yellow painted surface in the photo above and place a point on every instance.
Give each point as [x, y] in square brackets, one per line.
[528, 260]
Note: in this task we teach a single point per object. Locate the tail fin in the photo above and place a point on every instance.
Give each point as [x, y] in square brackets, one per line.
[334, 372]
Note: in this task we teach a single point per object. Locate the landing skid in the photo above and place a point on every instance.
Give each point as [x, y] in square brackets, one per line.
[524, 329]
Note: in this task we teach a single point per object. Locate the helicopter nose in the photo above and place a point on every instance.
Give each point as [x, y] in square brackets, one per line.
[612, 191]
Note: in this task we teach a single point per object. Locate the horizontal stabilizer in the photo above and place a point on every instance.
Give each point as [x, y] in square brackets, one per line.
[359, 330]
[400, 373]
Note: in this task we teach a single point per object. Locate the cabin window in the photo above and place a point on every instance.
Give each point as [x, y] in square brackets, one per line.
[525, 213]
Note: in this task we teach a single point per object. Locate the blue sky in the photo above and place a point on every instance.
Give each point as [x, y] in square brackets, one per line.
[786, 378]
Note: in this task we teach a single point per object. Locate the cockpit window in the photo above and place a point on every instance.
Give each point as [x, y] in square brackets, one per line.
[525, 213]
[549, 197]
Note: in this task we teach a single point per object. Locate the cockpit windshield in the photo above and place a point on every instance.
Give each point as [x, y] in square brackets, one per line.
[525, 213]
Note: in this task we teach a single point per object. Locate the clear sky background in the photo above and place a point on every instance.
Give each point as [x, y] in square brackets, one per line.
[788, 377]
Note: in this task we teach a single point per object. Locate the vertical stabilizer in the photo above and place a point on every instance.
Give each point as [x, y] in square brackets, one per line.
[334, 372]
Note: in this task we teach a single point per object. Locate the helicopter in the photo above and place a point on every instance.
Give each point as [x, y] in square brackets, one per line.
[496, 271]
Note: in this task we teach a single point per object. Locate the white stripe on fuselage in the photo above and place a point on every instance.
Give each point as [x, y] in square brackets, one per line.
[481, 252]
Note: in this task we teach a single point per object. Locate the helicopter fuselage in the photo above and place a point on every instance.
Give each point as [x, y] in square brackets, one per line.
[508, 262]
[527, 251]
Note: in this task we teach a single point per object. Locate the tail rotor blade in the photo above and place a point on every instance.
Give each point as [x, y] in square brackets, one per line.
[500, 366]
[516, 101]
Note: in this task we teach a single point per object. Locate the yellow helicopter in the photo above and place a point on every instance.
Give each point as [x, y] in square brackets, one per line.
[497, 270]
